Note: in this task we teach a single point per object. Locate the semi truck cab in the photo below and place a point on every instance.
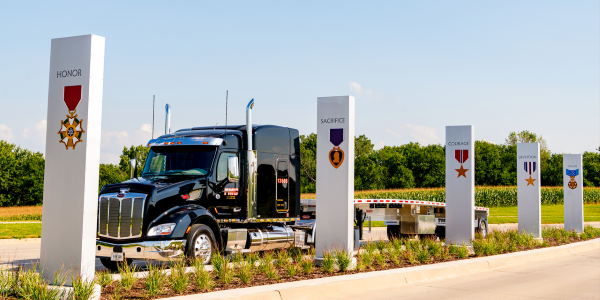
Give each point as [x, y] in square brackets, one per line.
[204, 190]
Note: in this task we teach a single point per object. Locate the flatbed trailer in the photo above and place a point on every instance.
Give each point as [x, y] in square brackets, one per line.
[403, 217]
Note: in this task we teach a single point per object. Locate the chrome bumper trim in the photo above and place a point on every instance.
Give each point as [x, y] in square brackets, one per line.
[147, 250]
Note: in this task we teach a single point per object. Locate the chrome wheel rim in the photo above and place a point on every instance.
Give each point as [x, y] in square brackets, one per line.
[202, 248]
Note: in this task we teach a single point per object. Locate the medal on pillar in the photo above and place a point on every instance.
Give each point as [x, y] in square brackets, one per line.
[461, 156]
[530, 167]
[70, 129]
[572, 183]
[336, 155]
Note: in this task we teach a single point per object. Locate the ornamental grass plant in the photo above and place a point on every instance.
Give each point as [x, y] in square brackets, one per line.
[82, 289]
[178, 279]
[156, 280]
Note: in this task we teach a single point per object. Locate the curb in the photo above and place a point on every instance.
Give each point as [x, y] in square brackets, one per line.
[338, 286]
[20, 241]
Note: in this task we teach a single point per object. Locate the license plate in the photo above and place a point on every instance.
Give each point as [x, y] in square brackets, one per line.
[116, 257]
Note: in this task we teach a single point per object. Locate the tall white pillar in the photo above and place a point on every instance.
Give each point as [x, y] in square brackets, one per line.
[573, 186]
[72, 156]
[528, 189]
[335, 174]
[460, 184]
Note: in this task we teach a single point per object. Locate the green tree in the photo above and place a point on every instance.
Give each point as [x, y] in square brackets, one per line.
[396, 174]
[526, 136]
[139, 153]
[308, 163]
[552, 174]
[110, 174]
[362, 146]
[591, 168]
[488, 164]
[21, 176]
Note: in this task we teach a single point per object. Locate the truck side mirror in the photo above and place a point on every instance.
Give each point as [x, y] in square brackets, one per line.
[233, 170]
[132, 168]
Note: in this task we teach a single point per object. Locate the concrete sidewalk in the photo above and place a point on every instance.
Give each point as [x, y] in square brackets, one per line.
[564, 272]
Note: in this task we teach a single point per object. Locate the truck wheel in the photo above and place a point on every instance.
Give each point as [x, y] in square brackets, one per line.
[393, 232]
[201, 243]
[440, 231]
[113, 265]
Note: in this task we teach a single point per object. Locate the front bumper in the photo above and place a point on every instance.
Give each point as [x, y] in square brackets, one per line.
[146, 250]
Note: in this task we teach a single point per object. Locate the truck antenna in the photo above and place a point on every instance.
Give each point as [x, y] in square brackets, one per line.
[215, 126]
[225, 137]
[153, 98]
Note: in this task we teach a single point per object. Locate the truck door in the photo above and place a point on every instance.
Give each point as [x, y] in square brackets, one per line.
[230, 190]
[282, 188]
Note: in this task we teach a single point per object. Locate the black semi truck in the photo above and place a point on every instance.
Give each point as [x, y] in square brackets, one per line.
[233, 188]
[206, 190]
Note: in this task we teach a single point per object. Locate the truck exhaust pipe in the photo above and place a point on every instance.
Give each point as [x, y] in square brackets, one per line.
[168, 119]
[249, 123]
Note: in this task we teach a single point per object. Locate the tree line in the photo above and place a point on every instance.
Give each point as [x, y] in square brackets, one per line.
[413, 165]
[406, 166]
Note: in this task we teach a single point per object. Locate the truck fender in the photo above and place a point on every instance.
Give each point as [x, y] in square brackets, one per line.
[186, 216]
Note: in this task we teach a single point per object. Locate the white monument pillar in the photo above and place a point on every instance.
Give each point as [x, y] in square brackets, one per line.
[460, 184]
[528, 189]
[72, 156]
[335, 174]
[573, 186]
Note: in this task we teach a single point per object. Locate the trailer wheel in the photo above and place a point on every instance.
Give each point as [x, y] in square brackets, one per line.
[201, 243]
[393, 232]
[440, 231]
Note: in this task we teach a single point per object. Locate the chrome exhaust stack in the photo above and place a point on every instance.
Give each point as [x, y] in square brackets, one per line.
[168, 119]
[249, 123]
[252, 165]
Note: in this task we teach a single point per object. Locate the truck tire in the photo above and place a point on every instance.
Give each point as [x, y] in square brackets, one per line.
[201, 243]
[113, 266]
[440, 231]
[393, 232]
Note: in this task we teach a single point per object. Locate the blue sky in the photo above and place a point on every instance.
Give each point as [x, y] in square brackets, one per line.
[413, 66]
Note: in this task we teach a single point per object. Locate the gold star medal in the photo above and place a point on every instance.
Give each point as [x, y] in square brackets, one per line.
[70, 129]
[530, 167]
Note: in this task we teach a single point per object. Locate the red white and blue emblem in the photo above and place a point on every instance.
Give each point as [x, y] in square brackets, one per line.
[530, 166]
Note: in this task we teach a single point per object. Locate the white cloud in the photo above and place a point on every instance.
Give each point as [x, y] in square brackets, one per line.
[393, 133]
[484, 140]
[423, 134]
[36, 133]
[379, 145]
[359, 91]
[112, 142]
[5, 133]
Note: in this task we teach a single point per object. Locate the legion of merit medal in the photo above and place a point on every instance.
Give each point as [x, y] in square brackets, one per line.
[70, 129]
[461, 156]
[531, 169]
[572, 173]
[336, 155]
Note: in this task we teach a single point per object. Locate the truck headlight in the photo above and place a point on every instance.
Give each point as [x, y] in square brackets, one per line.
[163, 229]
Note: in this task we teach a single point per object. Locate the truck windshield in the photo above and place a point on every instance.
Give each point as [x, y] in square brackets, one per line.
[179, 160]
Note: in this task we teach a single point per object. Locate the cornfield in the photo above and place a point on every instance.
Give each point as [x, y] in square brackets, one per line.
[484, 195]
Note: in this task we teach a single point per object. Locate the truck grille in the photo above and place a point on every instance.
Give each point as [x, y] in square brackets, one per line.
[121, 217]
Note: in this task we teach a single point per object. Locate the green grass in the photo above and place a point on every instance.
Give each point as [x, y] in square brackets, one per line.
[20, 231]
[551, 214]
